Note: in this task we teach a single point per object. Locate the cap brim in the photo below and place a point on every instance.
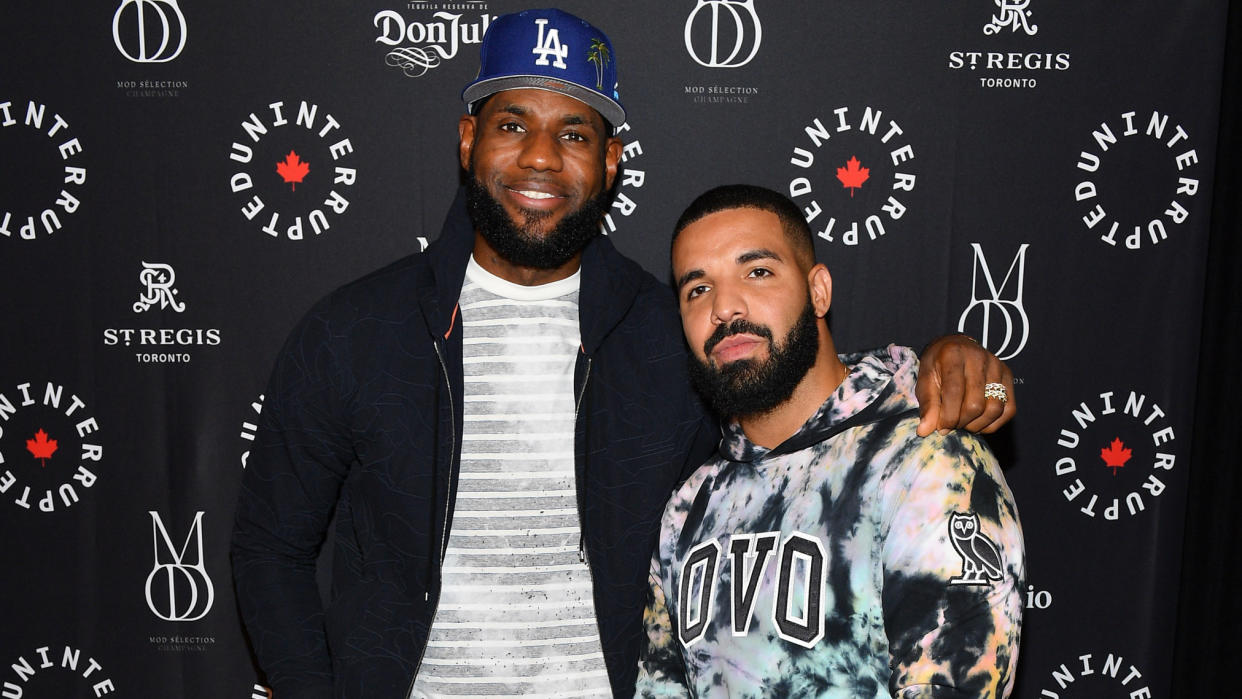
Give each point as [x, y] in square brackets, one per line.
[609, 109]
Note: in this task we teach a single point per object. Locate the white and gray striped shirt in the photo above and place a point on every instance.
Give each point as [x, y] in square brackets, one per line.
[516, 613]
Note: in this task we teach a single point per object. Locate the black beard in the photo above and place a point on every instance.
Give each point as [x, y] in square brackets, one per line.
[523, 245]
[745, 387]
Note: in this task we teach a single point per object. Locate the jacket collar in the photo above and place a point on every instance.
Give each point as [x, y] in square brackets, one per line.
[447, 257]
[610, 281]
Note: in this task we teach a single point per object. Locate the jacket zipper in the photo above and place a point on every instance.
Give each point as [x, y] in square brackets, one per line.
[582, 553]
[581, 514]
[448, 502]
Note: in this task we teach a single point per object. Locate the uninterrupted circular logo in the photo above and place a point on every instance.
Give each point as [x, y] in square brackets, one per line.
[1096, 676]
[853, 172]
[56, 671]
[632, 178]
[50, 447]
[1138, 179]
[30, 135]
[295, 170]
[1114, 453]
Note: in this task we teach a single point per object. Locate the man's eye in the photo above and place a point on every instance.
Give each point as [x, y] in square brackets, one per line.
[511, 127]
[574, 136]
[696, 291]
[760, 272]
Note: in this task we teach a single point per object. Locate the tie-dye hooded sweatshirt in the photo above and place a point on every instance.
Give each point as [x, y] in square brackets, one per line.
[855, 559]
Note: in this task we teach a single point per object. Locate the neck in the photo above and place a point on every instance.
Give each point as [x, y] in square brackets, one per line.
[490, 260]
[771, 428]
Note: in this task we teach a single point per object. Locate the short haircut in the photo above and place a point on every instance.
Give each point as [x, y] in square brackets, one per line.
[749, 196]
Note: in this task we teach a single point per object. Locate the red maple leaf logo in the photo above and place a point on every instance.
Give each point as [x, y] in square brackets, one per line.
[1116, 455]
[41, 447]
[853, 175]
[292, 169]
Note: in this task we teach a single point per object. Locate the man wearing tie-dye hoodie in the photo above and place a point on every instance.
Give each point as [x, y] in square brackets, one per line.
[826, 550]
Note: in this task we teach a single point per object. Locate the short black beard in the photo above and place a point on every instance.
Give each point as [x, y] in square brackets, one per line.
[746, 388]
[522, 245]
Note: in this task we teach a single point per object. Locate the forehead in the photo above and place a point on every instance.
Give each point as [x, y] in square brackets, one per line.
[543, 103]
[720, 237]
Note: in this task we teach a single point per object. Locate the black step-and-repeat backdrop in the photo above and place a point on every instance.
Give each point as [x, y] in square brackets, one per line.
[180, 180]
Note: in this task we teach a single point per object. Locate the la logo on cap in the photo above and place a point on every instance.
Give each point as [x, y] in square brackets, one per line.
[549, 44]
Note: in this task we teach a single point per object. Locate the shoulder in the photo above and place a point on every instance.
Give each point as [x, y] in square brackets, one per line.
[690, 492]
[960, 454]
[395, 285]
[631, 316]
[652, 309]
[630, 284]
[943, 473]
[391, 290]
[910, 455]
[656, 307]
[361, 312]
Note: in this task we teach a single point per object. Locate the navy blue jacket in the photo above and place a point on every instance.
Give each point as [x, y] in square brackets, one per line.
[363, 416]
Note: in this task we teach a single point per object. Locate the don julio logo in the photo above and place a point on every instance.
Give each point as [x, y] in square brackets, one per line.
[427, 43]
[178, 587]
[1088, 677]
[995, 314]
[315, 156]
[1173, 140]
[723, 33]
[149, 31]
[68, 146]
[1109, 446]
[71, 660]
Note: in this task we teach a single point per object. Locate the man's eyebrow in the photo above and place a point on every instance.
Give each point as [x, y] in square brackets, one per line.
[570, 119]
[758, 254]
[689, 277]
[576, 119]
[748, 256]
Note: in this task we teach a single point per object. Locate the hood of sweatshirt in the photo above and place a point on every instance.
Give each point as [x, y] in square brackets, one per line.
[877, 385]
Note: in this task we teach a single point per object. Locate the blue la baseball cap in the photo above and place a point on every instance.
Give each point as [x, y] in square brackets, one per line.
[548, 50]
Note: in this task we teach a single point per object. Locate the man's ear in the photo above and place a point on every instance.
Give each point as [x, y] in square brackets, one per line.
[820, 283]
[465, 139]
[612, 160]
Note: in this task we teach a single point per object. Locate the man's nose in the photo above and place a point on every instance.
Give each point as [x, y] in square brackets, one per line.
[727, 305]
[540, 151]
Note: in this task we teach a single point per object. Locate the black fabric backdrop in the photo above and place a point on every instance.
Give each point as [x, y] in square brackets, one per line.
[1205, 648]
[143, 312]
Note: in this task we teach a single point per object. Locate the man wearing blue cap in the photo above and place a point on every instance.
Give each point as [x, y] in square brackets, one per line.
[496, 423]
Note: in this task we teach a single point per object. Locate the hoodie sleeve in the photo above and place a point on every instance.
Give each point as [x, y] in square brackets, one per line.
[661, 672]
[301, 455]
[953, 571]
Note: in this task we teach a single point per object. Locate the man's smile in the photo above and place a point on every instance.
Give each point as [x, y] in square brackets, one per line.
[535, 195]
